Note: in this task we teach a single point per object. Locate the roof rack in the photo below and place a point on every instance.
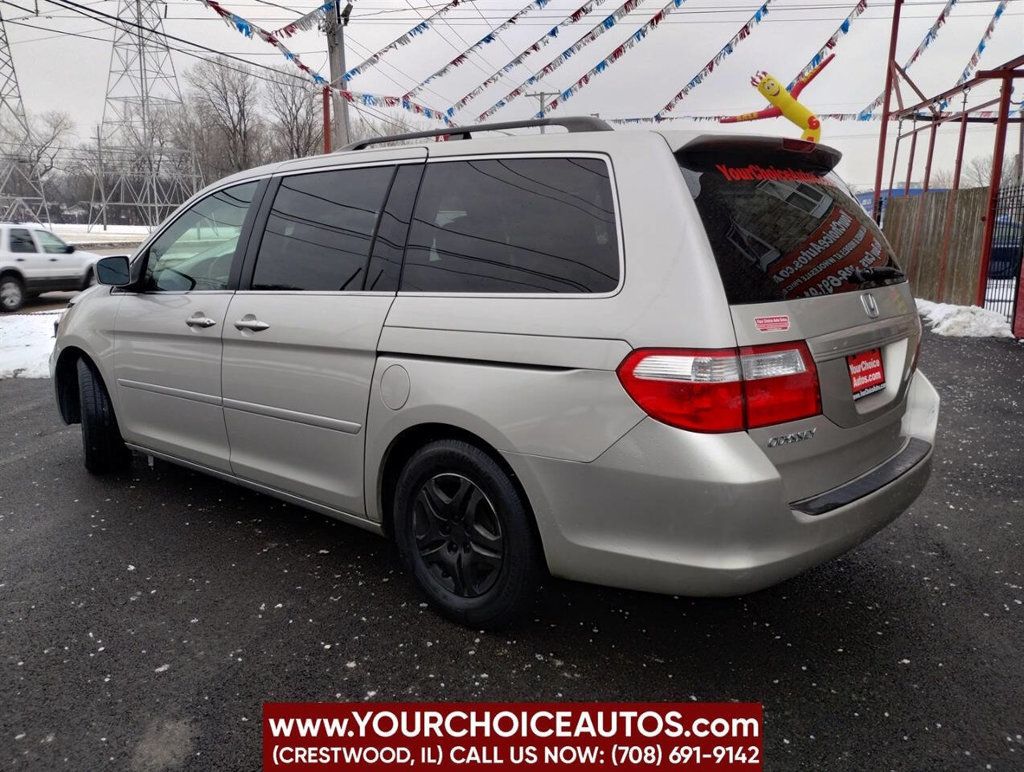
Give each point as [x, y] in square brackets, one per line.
[571, 124]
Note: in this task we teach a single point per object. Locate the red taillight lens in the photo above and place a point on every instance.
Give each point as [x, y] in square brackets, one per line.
[697, 390]
[780, 383]
[723, 390]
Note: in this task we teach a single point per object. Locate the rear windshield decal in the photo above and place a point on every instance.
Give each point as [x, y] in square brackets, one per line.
[753, 172]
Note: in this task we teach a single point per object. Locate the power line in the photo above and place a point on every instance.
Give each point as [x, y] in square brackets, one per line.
[111, 20]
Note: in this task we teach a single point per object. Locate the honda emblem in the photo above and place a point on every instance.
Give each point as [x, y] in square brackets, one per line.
[870, 304]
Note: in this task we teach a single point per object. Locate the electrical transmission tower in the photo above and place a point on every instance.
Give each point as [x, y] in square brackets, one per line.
[140, 176]
[21, 190]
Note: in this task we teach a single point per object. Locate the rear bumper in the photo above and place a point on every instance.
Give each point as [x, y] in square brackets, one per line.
[674, 512]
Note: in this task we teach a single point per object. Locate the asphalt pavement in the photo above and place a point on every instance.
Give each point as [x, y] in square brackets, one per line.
[145, 618]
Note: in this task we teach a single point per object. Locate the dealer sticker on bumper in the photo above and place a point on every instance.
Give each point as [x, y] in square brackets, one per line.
[866, 372]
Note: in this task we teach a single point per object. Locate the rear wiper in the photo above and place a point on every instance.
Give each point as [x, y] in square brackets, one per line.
[865, 275]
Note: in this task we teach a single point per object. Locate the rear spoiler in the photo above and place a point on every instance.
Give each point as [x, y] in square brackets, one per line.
[706, 151]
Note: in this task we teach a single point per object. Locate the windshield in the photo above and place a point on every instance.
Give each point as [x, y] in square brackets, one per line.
[781, 229]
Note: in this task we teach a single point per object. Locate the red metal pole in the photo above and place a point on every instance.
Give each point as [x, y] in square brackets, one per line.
[959, 165]
[892, 169]
[947, 230]
[919, 219]
[928, 160]
[884, 131]
[910, 165]
[993, 187]
[327, 120]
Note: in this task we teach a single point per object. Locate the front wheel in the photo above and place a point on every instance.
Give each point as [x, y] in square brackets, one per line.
[465, 534]
[102, 444]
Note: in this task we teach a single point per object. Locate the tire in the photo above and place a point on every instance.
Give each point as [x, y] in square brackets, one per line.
[12, 293]
[465, 534]
[102, 444]
[88, 280]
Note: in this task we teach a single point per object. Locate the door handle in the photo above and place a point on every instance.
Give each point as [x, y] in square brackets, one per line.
[53, 259]
[250, 322]
[199, 320]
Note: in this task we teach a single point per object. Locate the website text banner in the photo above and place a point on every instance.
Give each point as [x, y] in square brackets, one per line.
[540, 736]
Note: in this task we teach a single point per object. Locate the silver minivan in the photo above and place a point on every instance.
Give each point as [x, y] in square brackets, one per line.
[666, 361]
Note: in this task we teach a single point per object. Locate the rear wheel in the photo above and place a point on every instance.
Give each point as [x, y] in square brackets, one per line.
[12, 293]
[464, 533]
[102, 444]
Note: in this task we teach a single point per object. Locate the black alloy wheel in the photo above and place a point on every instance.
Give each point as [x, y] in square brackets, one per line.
[458, 535]
[465, 532]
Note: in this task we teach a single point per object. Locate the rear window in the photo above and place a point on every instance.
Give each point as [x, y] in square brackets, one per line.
[781, 224]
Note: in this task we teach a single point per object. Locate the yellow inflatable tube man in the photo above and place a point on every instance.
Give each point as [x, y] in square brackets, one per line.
[784, 103]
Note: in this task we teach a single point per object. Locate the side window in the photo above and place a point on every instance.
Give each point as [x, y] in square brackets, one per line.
[196, 251]
[21, 240]
[50, 243]
[319, 230]
[386, 260]
[514, 225]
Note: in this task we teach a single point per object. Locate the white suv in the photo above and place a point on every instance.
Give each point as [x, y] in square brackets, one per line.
[33, 260]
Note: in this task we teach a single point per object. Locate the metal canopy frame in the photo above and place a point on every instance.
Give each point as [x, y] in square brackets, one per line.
[929, 111]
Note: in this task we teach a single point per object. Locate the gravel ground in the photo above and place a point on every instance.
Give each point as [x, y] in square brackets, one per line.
[143, 620]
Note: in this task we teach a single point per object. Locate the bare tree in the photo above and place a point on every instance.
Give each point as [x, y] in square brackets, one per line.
[226, 96]
[297, 120]
[977, 172]
[941, 180]
[49, 133]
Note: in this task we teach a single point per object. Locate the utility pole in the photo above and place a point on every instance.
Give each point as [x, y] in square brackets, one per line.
[335, 28]
[542, 98]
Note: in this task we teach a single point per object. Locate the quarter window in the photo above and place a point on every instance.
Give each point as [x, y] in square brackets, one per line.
[197, 249]
[514, 225]
[21, 240]
[319, 230]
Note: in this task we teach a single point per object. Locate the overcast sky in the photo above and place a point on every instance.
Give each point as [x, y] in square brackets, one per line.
[63, 72]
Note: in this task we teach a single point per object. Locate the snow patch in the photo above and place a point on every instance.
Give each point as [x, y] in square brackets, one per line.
[963, 321]
[26, 341]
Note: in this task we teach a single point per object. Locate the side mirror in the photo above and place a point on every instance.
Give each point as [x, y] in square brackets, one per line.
[114, 271]
[69, 248]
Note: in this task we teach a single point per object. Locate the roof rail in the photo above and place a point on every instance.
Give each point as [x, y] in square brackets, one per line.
[571, 124]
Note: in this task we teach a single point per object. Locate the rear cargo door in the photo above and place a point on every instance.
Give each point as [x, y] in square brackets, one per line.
[800, 260]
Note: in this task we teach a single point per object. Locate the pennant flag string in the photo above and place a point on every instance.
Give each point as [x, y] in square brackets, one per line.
[972, 64]
[727, 49]
[613, 57]
[306, 22]
[490, 37]
[824, 116]
[247, 28]
[926, 41]
[402, 40]
[831, 43]
[536, 46]
[588, 37]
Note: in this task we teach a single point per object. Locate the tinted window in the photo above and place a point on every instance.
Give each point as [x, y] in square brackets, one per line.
[779, 229]
[386, 261]
[21, 240]
[319, 230]
[513, 225]
[197, 249]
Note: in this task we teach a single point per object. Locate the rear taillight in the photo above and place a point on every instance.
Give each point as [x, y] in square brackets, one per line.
[723, 390]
